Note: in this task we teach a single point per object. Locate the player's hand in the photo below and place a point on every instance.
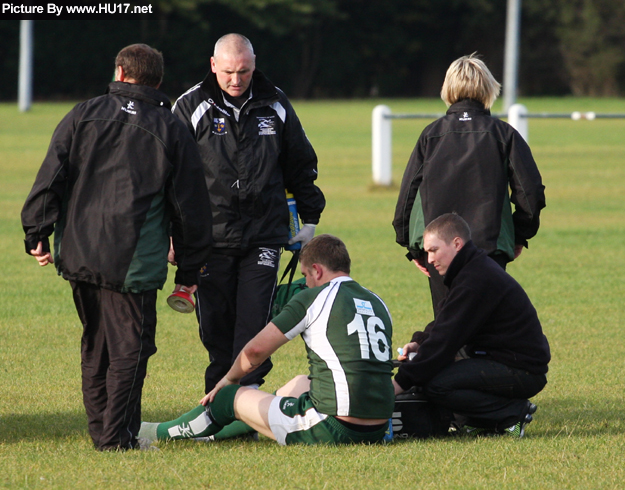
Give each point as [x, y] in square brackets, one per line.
[517, 250]
[420, 267]
[305, 235]
[43, 259]
[407, 349]
[171, 256]
[211, 395]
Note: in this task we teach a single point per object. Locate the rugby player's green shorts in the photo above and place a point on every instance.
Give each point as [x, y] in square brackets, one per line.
[296, 421]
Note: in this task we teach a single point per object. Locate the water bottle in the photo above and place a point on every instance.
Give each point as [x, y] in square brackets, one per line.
[293, 222]
[388, 435]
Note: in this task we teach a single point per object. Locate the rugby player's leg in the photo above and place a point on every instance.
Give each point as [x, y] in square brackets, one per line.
[298, 385]
[195, 423]
[252, 406]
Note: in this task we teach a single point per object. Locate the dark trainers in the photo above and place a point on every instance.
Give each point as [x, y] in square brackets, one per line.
[475, 431]
[479, 431]
[518, 429]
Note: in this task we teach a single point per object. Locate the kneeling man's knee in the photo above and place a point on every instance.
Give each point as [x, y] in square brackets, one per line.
[435, 390]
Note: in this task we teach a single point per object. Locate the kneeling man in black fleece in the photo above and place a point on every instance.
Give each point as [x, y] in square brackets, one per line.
[488, 317]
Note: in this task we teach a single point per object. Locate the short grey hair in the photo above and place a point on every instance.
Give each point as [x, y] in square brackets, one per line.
[239, 41]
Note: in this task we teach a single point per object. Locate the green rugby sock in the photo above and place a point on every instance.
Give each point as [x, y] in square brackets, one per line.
[195, 423]
[235, 429]
[222, 407]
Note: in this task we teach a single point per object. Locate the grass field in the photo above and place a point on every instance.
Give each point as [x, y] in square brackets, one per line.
[573, 271]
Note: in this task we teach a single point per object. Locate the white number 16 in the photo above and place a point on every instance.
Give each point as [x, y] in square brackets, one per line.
[369, 337]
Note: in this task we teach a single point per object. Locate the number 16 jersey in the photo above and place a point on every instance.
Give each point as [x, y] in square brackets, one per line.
[347, 330]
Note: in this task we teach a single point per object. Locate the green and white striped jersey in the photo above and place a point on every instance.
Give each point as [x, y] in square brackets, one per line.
[347, 330]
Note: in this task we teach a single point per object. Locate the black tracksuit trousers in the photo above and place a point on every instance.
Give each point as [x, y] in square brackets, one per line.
[234, 298]
[118, 338]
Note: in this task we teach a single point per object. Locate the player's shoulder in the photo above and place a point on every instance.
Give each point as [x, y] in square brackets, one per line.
[356, 287]
[348, 288]
[319, 294]
[308, 295]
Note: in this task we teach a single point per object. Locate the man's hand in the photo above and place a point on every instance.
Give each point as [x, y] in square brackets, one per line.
[305, 235]
[43, 259]
[408, 348]
[517, 251]
[171, 256]
[420, 267]
[211, 395]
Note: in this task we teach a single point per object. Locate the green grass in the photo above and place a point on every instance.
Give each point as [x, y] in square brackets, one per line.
[572, 271]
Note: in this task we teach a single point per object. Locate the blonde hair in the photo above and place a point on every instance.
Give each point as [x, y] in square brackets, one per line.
[469, 78]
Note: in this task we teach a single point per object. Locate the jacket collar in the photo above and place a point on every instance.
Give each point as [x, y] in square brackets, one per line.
[462, 258]
[468, 105]
[139, 92]
[262, 90]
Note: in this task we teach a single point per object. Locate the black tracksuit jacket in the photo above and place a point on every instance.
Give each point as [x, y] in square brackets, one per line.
[120, 175]
[250, 162]
[475, 165]
[485, 310]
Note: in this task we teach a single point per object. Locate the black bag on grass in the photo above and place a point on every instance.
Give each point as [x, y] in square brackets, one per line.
[414, 416]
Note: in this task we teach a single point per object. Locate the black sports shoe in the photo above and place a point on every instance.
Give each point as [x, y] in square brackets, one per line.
[518, 429]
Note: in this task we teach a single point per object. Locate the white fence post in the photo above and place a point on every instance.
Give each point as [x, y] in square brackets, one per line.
[381, 145]
[517, 119]
[25, 76]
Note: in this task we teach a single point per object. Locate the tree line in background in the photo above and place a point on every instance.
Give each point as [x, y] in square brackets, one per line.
[337, 48]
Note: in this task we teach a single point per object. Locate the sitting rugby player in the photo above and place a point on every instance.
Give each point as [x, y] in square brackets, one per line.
[347, 396]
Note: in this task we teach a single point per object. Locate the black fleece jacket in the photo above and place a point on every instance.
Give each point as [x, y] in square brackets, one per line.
[485, 310]
[476, 165]
[121, 174]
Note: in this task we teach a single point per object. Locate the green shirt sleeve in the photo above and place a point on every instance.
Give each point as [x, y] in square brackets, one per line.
[292, 320]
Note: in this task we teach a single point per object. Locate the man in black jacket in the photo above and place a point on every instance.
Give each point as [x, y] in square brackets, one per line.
[489, 314]
[253, 148]
[121, 174]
